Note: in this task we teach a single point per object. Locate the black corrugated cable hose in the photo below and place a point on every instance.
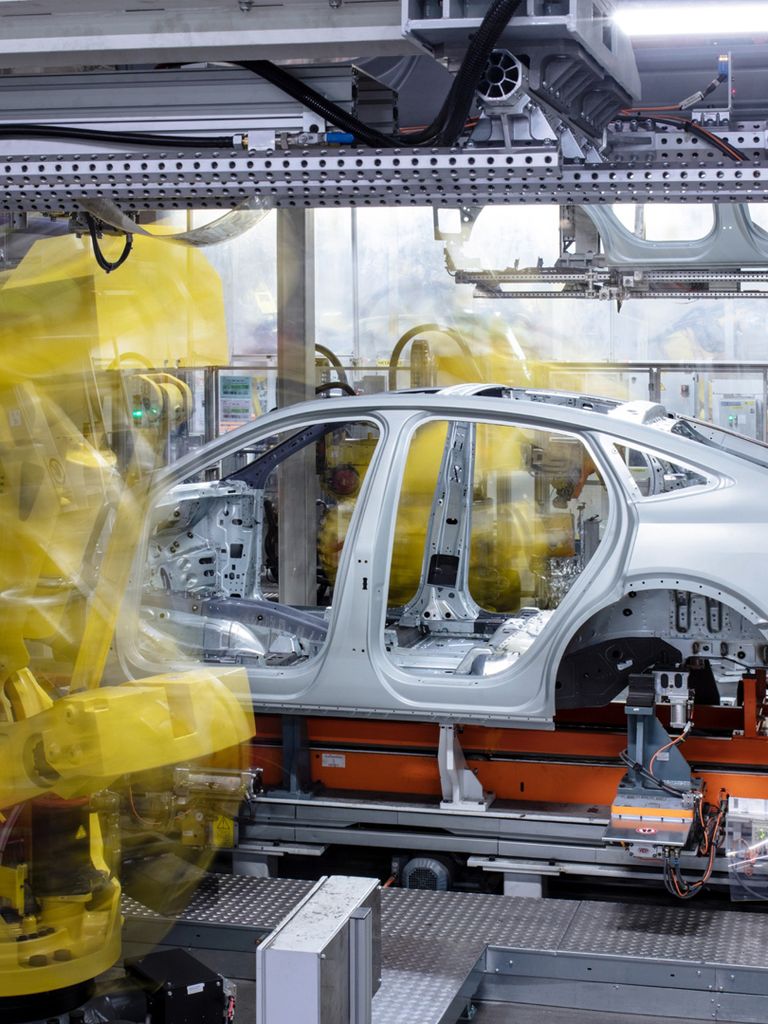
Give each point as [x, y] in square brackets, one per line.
[449, 123]
[472, 67]
[318, 104]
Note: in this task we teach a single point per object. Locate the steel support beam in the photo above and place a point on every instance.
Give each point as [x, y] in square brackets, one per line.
[295, 307]
[360, 177]
[297, 484]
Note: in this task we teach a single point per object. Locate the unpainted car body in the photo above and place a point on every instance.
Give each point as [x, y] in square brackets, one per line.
[665, 563]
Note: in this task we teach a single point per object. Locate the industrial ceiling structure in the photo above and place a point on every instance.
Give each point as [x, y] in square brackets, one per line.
[532, 143]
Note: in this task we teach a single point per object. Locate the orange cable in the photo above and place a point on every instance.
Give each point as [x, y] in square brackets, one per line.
[667, 746]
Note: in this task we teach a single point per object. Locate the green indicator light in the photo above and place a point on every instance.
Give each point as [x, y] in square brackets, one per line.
[137, 414]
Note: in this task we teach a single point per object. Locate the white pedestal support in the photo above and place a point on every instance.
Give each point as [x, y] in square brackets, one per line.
[322, 964]
[462, 789]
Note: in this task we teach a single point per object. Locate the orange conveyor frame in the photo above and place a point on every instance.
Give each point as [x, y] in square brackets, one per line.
[576, 763]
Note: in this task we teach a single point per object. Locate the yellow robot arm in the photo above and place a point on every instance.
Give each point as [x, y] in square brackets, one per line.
[81, 743]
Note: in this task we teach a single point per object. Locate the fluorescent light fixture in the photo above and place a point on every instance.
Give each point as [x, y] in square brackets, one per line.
[693, 19]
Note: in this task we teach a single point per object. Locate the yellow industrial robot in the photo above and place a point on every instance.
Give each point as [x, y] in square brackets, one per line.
[76, 457]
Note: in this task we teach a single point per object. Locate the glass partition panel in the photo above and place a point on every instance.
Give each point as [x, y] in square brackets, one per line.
[729, 398]
[606, 382]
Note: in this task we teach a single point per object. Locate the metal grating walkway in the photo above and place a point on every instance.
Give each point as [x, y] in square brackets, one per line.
[433, 943]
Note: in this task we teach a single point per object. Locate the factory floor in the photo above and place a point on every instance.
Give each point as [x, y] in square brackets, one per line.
[431, 943]
[507, 1013]
[496, 1013]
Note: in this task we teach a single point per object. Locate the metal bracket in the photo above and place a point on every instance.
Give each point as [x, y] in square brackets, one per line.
[462, 790]
[362, 984]
[297, 774]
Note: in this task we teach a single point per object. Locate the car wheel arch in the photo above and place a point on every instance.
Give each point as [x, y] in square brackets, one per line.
[611, 634]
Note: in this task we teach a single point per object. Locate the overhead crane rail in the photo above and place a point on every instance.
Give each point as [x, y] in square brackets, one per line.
[362, 177]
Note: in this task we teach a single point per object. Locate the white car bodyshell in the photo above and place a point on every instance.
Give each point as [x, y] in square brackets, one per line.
[708, 541]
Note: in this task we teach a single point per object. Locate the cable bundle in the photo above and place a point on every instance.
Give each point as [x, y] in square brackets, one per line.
[452, 117]
[712, 837]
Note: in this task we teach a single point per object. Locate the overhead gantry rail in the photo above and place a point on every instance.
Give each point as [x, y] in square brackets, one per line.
[365, 177]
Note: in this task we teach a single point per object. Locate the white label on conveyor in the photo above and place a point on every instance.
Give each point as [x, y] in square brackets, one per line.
[334, 760]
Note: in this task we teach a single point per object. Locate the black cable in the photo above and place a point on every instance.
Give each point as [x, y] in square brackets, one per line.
[317, 103]
[687, 125]
[677, 885]
[472, 67]
[636, 766]
[106, 265]
[674, 881]
[450, 120]
[394, 359]
[685, 890]
[334, 360]
[332, 385]
[55, 131]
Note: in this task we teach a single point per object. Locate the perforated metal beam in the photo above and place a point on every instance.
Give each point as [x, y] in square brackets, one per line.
[361, 178]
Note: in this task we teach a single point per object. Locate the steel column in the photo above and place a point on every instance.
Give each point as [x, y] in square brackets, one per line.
[296, 383]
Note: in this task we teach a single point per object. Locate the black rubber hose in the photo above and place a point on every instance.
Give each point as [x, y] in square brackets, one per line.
[317, 103]
[472, 67]
[55, 131]
[450, 120]
[333, 385]
[334, 360]
[107, 265]
[414, 332]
